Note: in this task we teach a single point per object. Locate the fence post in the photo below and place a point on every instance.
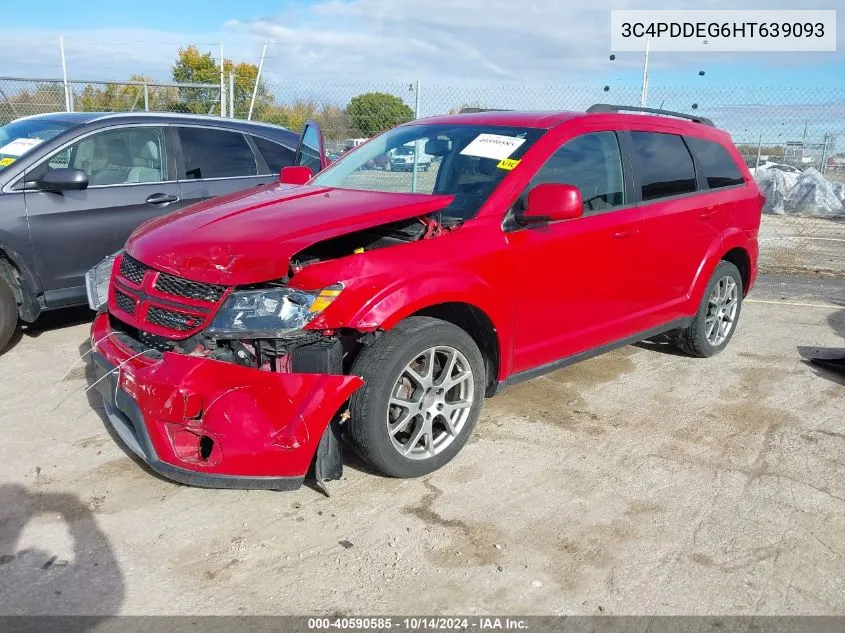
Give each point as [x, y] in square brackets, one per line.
[416, 143]
[231, 95]
[146, 98]
[222, 84]
[824, 154]
[759, 145]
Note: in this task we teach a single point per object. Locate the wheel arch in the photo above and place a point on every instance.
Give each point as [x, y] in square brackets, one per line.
[740, 258]
[22, 281]
[732, 247]
[475, 322]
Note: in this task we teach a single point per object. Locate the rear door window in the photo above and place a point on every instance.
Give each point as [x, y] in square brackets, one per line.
[211, 153]
[663, 165]
[718, 165]
[275, 154]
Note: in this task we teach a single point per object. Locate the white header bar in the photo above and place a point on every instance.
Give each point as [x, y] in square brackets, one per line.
[723, 30]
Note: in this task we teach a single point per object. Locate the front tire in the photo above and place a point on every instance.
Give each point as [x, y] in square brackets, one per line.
[715, 322]
[425, 382]
[8, 314]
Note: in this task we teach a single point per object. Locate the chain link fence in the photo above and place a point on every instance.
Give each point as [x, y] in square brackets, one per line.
[793, 139]
[21, 97]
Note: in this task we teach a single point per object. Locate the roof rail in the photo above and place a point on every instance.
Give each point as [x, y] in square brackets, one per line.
[606, 107]
[474, 110]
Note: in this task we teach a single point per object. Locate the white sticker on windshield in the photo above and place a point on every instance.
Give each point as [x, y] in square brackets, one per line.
[20, 146]
[493, 146]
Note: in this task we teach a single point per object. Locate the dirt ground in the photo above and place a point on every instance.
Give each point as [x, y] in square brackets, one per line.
[789, 243]
[640, 482]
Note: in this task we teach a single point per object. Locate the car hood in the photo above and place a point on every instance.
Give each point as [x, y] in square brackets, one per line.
[249, 237]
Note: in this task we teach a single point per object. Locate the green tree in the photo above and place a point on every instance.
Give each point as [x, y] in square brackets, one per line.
[127, 97]
[245, 75]
[44, 97]
[194, 67]
[332, 120]
[374, 112]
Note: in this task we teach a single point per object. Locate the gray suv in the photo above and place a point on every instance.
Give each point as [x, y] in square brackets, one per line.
[73, 186]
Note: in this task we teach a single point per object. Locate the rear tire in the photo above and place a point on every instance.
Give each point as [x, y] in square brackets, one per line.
[424, 390]
[715, 322]
[8, 314]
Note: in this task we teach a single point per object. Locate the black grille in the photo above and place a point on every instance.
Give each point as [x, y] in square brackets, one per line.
[124, 302]
[172, 320]
[155, 342]
[132, 269]
[189, 289]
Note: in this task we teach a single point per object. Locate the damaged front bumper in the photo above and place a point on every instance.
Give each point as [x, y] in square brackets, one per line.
[209, 423]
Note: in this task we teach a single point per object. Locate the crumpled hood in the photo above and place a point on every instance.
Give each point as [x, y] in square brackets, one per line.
[249, 237]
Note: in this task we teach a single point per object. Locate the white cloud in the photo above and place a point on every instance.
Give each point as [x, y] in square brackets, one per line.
[473, 44]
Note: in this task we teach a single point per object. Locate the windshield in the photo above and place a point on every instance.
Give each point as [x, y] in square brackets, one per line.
[467, 161]
[18, 137]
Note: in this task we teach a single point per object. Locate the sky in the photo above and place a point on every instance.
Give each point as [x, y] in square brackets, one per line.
[460, 50]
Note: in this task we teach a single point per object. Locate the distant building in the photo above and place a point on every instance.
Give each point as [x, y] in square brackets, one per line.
[802, 152]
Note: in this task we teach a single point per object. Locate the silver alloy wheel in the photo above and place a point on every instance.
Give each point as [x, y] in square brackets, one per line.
[430, 402]
[721, 311]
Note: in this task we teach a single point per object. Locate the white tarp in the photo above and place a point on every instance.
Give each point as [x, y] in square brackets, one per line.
[774, 185]
[808, 193]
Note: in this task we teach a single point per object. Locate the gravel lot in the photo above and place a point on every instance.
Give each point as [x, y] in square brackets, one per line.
[640, 482]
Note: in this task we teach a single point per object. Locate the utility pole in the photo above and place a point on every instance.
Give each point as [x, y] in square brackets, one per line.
[68, 102]
[257, 79]
[644, 91]
[222, 84]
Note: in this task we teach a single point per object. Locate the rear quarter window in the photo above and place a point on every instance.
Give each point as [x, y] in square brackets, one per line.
[275, 154]
[663, 165]
[719, 167]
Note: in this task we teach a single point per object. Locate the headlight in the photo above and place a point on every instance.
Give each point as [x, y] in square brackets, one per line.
[270, 312]
[97, 282]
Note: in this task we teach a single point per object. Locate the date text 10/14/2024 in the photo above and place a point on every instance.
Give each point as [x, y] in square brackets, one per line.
[418, 623]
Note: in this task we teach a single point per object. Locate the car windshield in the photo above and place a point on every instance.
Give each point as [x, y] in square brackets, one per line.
[467, 161]
[18, 137]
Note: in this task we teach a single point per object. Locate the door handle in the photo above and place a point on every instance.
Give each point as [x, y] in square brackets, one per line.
[623, 233]
[161, 199]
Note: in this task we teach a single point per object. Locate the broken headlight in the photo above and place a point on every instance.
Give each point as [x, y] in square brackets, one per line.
[269, 312]
[97, 282]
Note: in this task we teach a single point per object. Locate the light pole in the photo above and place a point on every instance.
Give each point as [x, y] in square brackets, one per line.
[644, 90]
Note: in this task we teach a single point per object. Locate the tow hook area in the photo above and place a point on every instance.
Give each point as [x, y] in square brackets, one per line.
[324, 357]
[328, 462]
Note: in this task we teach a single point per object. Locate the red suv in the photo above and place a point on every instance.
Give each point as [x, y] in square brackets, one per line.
[239, 339]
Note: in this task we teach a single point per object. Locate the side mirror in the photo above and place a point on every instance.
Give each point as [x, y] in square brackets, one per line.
[551, 202]
[295, 175]
[64, 179]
